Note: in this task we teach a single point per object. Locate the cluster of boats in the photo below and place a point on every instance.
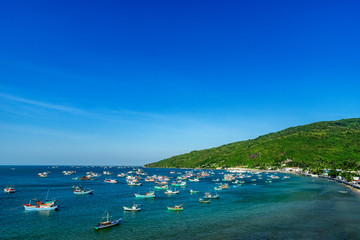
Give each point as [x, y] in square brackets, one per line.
[133, 178]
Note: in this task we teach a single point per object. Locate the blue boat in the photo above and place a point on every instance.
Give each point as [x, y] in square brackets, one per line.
[108, 223]
[147, 195]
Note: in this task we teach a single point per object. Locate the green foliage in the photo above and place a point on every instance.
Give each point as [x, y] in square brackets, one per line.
[318, 145]
[333, 173]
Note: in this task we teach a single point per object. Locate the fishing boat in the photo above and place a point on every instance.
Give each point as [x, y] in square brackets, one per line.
[80, 191]
[178, 184]
[41, 206]
[147, 195]
[194, 191]
[194, 180]
[110, 180]
[107, 223]
[204, 201]
[161, 187]
[9, 189]
[210, 196]
[132, 183]
[169, 191]
[133, 208]
[176, 208]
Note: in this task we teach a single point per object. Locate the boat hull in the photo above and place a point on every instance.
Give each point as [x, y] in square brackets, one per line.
[175, 209]
[113, 223]
[84, 192]
[28, 208]
[9, 190]
[144, 196]
[131, 209]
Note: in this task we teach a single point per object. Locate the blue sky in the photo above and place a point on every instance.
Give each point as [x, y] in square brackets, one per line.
[133, 82]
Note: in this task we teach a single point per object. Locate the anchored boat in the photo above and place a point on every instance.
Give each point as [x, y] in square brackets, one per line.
[176, 208]
[41, 206]
[210, 196]
[9, 189]
[133, 208]
[147, 195]
[107, 223]
[169, 191]
[110, 180]
[80, 191]
[204, 201]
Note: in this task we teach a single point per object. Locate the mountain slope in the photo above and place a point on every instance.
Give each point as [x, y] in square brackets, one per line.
[321, 144]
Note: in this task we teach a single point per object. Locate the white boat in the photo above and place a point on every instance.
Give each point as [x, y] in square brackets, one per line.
[107, 223]
[110, 180]
[9, 189]
[80, 191]
[210, 196]
[133, 208]
[169, 191]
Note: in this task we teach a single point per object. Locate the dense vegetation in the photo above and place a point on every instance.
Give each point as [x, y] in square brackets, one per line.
[320, 145]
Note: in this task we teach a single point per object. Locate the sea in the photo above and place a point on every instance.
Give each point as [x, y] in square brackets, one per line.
[297, 207]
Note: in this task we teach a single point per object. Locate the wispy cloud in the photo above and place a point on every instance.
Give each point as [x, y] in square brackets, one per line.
[41, 104]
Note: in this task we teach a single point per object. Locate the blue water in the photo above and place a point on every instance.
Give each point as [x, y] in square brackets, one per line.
[295, 208]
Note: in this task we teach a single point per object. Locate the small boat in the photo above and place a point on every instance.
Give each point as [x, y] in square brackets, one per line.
[210, 196]
[80, 190]
[194, 191]
[204, 201]
[194, 180]
[344, 192]
[161, 187]
[107, 223]
[41, 206]
[169, 191]
[176, 208]
[110, 180]
[178, 184]
[9, 189]
[147, 195]
[133, 208]
[131, 183]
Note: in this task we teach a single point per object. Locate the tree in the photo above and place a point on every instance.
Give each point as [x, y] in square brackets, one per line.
[333, 173]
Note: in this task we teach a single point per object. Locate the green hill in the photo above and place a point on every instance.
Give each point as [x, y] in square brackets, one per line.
[334, 144]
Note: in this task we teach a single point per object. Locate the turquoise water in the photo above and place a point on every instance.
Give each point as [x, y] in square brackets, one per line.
[294, 208]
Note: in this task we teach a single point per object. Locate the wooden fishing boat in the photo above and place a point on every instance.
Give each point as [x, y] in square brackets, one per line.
[80, 191]
[169, 191]
[161, 187]
[41, 206]
[176, 208]
[110, 180]
[107, 223]
[210, 196]
[194, 180]
[178, 184]
[131, 183]
[9, 189]
[133, 208]
[204, 201]
[147, 195]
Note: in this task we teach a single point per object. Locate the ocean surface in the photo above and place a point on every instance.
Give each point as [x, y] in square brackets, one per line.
[294, 208]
